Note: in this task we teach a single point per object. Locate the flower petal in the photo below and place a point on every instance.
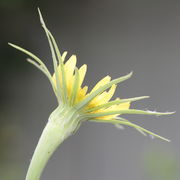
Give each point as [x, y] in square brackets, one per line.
[123, 106]
[100, 90]
[82, 73]
[64, 55]
[102, 98]
[81, 93]
[102, 82]
[70, 67]
[69, 71]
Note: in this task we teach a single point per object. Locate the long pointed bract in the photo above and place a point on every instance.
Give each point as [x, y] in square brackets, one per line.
[84, 102]
[127, 111]
[59, 90]
[116, 102]
[123, 122]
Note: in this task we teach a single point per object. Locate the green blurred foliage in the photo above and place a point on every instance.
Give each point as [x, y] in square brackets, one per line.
[11, 167]
[11, 171]
[162, 165]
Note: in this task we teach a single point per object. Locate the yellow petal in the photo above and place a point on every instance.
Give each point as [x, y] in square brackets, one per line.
[64, 55]
[82, 73]
[109, 94]
[103, 98]
[69, 71]
[102, 82]
[81, 93]
[123, 106]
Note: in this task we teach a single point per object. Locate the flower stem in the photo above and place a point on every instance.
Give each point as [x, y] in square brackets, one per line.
[52, 136]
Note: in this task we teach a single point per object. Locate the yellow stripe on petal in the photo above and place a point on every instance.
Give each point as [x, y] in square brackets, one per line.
[124, 106]
[84, 91]
[81, 93]
[109, 94]
[102, 98]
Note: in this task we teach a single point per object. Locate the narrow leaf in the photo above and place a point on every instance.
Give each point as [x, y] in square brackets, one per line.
[60, 59]
[30, 54]
[59, 90]
[127, 111]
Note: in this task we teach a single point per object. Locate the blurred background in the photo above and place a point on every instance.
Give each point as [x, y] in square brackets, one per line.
[113, 37]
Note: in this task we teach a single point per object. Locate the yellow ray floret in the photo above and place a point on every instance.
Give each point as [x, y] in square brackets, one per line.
[100, 99]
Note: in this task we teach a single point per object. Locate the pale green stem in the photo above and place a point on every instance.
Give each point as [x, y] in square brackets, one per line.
[57, 129]
[51, 138]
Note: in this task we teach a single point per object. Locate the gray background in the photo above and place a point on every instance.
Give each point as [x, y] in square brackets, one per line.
[113, 37]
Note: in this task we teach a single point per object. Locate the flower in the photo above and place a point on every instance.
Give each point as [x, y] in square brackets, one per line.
[96, 105]
[76, 104]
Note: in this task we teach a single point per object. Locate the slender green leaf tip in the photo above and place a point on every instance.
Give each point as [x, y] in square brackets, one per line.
[40, 16]
[122, 121]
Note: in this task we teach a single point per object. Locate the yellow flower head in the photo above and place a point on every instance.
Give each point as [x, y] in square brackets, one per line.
[75, 92]
[94, 105]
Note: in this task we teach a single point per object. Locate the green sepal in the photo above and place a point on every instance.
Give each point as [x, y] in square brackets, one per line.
[30, 54]
[60, 91]
[61, 64]
[127, 111]
[54, 49]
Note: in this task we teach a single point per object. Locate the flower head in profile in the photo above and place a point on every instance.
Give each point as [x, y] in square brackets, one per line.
[88, 105]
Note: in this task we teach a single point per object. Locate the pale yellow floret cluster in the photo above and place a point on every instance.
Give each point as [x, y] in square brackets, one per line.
[103, 98]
